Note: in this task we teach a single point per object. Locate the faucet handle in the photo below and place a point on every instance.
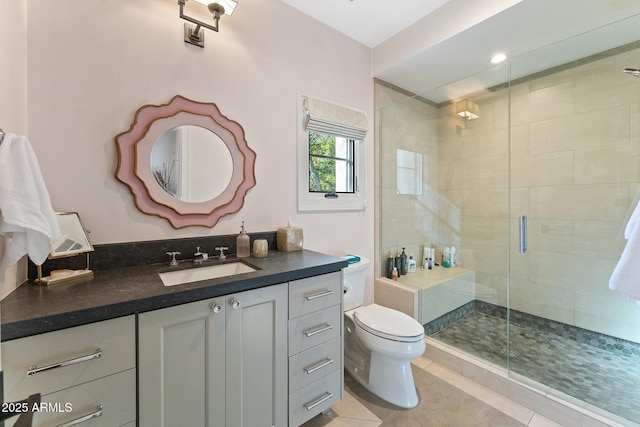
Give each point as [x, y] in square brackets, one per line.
[222, 249]
[173, 261]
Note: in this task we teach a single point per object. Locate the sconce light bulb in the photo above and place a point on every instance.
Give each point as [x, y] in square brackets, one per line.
[216, 9]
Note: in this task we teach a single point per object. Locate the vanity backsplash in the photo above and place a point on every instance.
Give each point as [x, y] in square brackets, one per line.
[129, 254]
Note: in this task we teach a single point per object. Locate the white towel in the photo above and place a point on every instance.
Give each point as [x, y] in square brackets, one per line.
[626, 275]
[26, 215]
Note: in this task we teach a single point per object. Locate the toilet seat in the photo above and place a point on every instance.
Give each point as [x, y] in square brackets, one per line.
[388, 323]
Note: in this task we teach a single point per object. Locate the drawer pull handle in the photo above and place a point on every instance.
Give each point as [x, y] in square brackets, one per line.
[320, 400]
[34, 369]
[96, 414]
[318, 295]
[311, 369]
[311, 332]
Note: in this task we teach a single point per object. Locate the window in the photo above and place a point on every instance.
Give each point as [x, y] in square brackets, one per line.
[330, 153]
[331, 164]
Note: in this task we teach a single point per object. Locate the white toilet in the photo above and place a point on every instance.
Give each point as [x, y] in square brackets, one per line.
[379, 342]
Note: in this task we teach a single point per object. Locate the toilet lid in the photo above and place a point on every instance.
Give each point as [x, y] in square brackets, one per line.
[388, 323]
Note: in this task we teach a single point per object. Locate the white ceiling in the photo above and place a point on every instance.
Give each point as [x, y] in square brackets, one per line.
[368, 21]
[447, 41]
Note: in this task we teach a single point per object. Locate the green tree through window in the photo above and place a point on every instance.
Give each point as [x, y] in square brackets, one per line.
[330, 163]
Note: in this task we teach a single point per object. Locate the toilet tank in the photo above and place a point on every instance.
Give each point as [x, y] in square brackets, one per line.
[354, 280]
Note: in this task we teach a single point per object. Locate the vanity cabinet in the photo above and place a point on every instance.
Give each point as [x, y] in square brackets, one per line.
[86, 372]
[216, 362]
[315, 346]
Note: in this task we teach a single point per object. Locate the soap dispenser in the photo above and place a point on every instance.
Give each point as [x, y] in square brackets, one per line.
[243, 244]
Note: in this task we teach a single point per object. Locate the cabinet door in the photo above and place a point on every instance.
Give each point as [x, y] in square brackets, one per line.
[257, 357]
[181, 353]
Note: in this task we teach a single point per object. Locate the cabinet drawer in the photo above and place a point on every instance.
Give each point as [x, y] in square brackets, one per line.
[113, 397]
[115, 338]
[314, 363]
[314, 293]
[315, 398]
[314, 328]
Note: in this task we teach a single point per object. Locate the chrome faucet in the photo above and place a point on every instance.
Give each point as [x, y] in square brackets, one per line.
[222, 256]
[198, 257]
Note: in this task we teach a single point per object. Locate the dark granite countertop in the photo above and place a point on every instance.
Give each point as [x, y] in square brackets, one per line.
[32, 309]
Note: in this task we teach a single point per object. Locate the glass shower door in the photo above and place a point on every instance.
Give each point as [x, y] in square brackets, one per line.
[574, 174]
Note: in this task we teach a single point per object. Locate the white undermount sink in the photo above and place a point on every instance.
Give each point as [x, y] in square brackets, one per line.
[180, 277]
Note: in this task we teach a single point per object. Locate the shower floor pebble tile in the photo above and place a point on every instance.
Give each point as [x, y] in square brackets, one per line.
[605, 379]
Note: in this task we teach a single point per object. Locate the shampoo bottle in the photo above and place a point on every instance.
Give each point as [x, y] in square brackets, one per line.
[242, 244]
[446, 257]
[398, 263]
[411, 266]
[403, 263]
[390, 265]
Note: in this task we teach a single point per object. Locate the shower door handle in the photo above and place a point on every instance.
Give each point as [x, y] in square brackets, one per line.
[523, 234]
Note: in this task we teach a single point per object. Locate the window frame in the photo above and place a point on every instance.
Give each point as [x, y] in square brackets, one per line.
[309, 201]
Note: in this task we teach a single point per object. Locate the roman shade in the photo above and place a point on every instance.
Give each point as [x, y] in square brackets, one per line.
[331, 119]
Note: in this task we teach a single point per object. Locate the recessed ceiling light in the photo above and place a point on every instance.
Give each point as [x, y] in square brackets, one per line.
[498, 58]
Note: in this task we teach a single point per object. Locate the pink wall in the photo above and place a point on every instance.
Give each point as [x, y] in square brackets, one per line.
[91, 65]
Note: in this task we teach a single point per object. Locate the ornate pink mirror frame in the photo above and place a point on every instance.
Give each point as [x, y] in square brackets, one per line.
[134, 164]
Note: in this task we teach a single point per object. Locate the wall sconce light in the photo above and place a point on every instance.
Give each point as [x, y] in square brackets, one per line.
[468, 109]
[195, 35]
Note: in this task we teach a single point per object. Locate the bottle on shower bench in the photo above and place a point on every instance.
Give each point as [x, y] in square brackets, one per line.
[403, 263]
[446, 257]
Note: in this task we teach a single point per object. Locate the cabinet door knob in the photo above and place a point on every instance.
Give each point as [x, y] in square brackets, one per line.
[235, 303]
[216, 308]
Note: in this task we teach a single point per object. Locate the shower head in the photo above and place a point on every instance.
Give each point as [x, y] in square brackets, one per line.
[633, 71]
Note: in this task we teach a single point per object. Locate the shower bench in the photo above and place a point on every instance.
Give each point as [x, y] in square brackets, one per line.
[427, 294]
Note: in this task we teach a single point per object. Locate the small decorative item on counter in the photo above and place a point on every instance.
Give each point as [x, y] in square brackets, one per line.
[394, 274]
[289, 238]
[260, 248]
[243, 244]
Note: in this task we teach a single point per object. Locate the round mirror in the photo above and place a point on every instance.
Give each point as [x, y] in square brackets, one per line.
[191, 163]
[186, 162]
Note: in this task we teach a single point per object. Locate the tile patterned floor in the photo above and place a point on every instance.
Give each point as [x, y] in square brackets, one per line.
[446, 399]
[599, 376]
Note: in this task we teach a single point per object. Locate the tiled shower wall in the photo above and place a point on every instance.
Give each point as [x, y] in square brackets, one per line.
[575, 162]
[409, 124]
